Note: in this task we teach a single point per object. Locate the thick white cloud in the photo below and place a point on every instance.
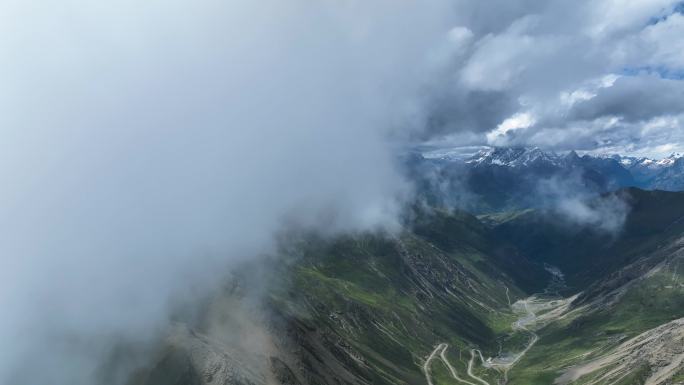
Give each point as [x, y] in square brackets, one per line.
[659, 45]
[520, 121]
[145, 146]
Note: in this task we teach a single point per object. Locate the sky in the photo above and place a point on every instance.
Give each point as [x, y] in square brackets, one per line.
[146, 147]
[602, 76]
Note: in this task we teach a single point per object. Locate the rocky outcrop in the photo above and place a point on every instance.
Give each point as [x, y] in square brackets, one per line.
[658, 354]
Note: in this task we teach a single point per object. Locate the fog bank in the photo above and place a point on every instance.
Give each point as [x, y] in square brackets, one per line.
[147, 146]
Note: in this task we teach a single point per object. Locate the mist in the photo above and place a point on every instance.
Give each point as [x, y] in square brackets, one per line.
[148, 147]
[571, 200]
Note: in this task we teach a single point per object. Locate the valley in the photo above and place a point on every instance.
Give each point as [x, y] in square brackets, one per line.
[533, 313]
[453, 300]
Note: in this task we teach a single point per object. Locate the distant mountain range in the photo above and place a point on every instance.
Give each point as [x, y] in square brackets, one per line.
[500, 178]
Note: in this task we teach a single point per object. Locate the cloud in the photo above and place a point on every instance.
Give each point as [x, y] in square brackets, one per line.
[656, 46]
[147, 147]
[595, 72]
[633, 99]
[571, 199]
[519, 121]
[634, 114]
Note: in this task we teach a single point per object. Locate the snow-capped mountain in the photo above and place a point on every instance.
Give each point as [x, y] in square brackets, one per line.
[647, 171]
[514, 157]
[497, 178]
[523, 157]
[665, 174]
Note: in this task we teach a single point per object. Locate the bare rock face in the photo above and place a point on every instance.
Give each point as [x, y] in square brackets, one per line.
[238, 344]
[190, 358]
[216, 364]
[658, 352]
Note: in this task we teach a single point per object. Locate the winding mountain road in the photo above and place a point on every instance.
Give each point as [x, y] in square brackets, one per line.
[521, 325]
[428, 361]
[454, 374]
[470, 369]
[440, 353]
[549, 309]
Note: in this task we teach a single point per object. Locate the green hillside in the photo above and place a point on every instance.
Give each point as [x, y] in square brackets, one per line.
[451, 300]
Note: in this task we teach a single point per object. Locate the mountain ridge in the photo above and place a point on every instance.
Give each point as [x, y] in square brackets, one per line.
[512, 178]
[648, 173]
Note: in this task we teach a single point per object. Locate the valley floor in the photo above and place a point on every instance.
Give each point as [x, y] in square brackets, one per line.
[583, 345]
[532, 313]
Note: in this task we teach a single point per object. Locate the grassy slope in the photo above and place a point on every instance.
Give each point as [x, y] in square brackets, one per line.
[645, 296]
[645, 305]
[585, 255]
[393, 300]
[463, 302]
[372, 307]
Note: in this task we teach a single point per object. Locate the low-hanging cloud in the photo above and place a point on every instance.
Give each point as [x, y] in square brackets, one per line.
[579, 204]
[146, 146]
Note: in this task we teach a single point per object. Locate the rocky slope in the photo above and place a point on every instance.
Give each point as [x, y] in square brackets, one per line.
[624, 329]
[628, 293]
[653, 357]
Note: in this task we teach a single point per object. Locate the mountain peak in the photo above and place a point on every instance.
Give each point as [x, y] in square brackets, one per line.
[613, 170]
[513, 156]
